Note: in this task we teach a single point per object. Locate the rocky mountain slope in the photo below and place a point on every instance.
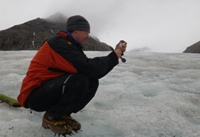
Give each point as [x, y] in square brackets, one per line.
[195, 48]
[30, 35]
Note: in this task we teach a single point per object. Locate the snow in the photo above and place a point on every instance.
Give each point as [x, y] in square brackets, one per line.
[151, 95]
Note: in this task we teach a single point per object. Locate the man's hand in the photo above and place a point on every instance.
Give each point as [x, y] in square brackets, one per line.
[120, 50]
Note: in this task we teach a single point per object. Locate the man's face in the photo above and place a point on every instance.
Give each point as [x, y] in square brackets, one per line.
[80, 36]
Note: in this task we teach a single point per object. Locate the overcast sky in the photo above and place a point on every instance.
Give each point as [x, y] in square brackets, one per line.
[160, 25]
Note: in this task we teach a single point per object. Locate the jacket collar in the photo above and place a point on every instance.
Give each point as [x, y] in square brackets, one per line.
[67, 35]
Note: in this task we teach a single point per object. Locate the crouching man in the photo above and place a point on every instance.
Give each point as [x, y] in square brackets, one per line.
[62, 80]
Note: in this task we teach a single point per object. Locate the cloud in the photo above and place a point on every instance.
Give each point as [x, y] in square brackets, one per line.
[166, 26]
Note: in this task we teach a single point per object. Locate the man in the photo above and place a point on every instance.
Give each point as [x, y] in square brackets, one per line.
[61, 80]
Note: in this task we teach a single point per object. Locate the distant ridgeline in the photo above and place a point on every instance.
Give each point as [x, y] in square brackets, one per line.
[195, 48]
[30, 35]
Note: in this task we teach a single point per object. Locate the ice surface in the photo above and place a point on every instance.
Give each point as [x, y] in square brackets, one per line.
[151, 95]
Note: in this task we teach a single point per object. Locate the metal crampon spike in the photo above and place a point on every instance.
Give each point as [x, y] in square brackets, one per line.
[64, 135]
[57, 134]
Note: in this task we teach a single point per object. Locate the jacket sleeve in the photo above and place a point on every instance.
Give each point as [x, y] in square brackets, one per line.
[96, 67]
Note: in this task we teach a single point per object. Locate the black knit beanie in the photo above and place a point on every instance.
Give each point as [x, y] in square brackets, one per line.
[77, 22]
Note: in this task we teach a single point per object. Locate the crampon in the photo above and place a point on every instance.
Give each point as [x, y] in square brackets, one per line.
[64, 134]
[74, 124]
[58, 127]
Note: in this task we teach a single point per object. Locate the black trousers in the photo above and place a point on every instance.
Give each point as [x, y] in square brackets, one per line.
[63, 95]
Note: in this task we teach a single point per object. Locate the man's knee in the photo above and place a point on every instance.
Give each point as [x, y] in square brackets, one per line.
[80, 80]
[76, 84]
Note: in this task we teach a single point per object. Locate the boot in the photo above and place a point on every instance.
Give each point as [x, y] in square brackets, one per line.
[74, 124]
[58, 127]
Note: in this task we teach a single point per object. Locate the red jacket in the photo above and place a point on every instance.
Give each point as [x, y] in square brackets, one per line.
[61, 55]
